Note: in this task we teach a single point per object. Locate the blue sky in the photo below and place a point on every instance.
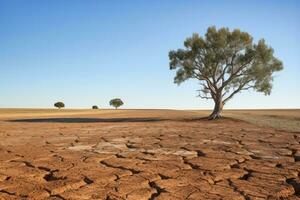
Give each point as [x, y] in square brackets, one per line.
[87, 52]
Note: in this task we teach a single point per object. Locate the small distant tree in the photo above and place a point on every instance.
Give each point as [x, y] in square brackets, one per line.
[225, 63]
[116, 102]
[95, 107]
[59, 105]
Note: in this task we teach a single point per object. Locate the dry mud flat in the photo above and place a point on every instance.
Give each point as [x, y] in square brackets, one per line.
[146, 158]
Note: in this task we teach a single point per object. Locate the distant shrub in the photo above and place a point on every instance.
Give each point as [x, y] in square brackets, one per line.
[59, 105]
[95, 107]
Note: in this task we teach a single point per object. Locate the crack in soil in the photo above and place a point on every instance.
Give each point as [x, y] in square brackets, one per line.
[247, 175]
[88, 181]
[296, 185]
[54, 195]
[237, 190]
[185, 161]
[158, 190]
[9, 193]
[50, 176]
[133, 171]
[27, 164]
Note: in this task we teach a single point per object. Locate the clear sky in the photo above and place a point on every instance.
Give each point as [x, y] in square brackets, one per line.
[87, 52]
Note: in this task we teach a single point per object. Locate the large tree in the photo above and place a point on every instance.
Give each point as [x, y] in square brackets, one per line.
[225, 62]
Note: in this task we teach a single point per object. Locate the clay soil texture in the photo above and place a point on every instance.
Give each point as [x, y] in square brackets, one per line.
[145, 154]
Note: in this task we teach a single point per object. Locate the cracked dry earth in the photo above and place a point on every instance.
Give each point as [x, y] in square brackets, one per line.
[161, 160]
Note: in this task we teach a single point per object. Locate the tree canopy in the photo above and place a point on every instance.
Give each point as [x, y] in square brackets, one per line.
[225, 62]
[59, 105]
[116, 102]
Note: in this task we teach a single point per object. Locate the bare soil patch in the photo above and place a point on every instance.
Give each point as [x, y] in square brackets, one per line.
[145, 154]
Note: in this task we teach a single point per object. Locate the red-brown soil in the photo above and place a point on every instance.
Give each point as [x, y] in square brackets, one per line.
[146, 154]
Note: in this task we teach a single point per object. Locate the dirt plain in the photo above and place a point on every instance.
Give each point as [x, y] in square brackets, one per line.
[144, 154]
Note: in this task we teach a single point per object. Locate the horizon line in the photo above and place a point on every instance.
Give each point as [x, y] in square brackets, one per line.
[204, 109]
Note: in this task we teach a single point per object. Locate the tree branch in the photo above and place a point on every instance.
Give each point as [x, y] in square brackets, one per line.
[235, 74]
[226, 67]
[240, 88]
[204, 97]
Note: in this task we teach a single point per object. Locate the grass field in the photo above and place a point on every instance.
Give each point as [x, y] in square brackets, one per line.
[284, 119]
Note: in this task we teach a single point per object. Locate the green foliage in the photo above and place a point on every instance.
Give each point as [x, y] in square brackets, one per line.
[95, 107]
[59, 105]
[225, 62]
[116, 102]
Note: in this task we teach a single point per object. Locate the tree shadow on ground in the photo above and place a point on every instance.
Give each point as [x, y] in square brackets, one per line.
[86, 120]
[99, 120]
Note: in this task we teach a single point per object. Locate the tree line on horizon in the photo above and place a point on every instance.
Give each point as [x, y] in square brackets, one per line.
[225, 63]
[116, 103]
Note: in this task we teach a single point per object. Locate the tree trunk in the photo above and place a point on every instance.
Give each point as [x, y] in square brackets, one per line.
[216, 114]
